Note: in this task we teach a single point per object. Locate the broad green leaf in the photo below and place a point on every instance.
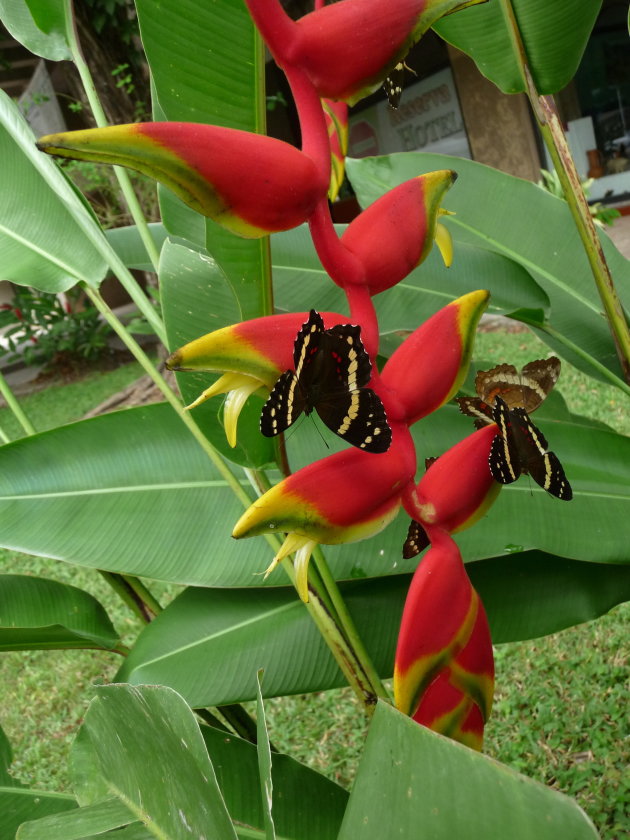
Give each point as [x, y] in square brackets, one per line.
[19, 804]
[47, 236]
[127, 243]
[264, 761]
[78, 823]
[554, 34]
[143, 499]
[306, 805]
[191, 645]
[45, 35]
[435, 787]
[150, 751]
[207, 66]
[299, 273]
[197, 299]
[520, 221]
[36, 613]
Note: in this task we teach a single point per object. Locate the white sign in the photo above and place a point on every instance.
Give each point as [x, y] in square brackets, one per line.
[428, 119]
[39, 104]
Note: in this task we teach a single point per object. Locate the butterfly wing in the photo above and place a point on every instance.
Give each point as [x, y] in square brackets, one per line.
[417, 540]
[358, 417]
[504, 457]
[284, 405]
[543, 466]
[306, 348]
[348, 363]
[526, 389]
[539, 377]
[393, 85]
[477, 408]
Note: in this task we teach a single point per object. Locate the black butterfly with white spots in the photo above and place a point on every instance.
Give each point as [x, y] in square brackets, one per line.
[506, 397]
[394, 83]
[331, 369]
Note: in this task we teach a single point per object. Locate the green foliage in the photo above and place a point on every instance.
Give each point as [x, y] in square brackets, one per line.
[44, 328]
[133, 494]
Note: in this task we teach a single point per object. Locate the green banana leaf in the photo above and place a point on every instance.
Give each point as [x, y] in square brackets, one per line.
[192, 645]
[48, 237]
[39, 25]
[157, 765]
[36, 613]
[554, 35]
[412, 781]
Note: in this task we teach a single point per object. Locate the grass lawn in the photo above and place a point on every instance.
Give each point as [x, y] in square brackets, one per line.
[559, 712]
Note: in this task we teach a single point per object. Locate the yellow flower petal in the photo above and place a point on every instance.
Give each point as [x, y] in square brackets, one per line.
[444, 242]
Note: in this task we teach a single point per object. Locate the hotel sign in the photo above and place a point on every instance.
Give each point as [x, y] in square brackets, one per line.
[428, 120]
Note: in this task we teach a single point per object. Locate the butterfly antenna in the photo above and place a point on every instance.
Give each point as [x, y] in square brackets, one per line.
[319, 432]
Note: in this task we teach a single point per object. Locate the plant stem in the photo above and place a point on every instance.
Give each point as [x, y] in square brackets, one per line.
[212, 720]
[16, 408]
[556, 142]
[4, 436]
[346, 622]
[240, 721]
[101, 121]
[121, 585]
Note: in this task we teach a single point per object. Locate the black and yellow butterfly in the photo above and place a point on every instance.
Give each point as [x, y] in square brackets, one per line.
[331, 369]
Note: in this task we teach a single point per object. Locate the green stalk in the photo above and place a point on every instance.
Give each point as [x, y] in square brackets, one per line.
[121, 586]
[346, 622]
[556, 143]
[101, 121]
[4, 436]
[16, 408]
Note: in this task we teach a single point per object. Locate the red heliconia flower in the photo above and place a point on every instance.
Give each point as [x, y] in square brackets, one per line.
[430, 365]
[444, 671]
[396, 233]
[458, 488]
[248, 183]
[348, 48]
[345, 497]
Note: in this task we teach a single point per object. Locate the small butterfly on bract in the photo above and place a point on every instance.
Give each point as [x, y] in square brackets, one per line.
[417, 538]
[331, 368]
[394, 83]
[506, 397]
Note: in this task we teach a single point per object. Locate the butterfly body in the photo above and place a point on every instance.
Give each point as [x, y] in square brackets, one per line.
[331, 369]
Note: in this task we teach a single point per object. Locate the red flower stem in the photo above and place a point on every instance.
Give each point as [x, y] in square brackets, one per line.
[315, 141]
[275, 26]
[362, 312]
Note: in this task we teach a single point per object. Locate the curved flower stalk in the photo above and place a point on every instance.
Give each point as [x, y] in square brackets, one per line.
[395, 234]
[347, 49]
[277, 186]
[444, 671]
